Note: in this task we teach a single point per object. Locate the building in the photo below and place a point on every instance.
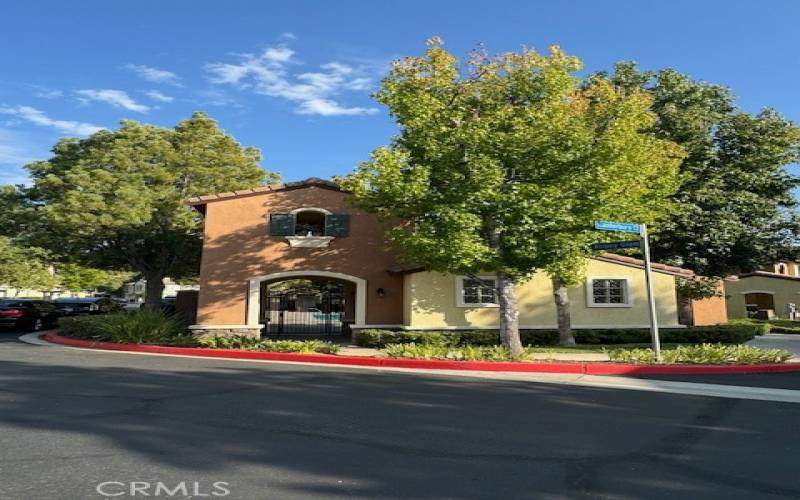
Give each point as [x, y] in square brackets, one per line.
[298, 259]
[133, 292]
[773, 291]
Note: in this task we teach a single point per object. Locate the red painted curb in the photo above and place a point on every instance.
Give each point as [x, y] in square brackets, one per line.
[434, 364]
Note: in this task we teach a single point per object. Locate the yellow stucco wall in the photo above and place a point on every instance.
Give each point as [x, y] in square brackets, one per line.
[784, 291]
[431, 302]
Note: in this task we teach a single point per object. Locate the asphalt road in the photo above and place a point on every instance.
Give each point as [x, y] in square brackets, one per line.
[72, 419]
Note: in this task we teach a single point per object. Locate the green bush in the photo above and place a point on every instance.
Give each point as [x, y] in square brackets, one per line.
[721, 334]
[257, 344]
[771, 326]
[714, 354]
[464, 353]
[761, 327]
[140, 327]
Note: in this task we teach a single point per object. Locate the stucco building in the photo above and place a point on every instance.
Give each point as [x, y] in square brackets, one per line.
[298, 258]
[771, 291]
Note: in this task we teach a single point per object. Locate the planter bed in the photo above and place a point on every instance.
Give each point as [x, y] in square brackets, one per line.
[603, 368]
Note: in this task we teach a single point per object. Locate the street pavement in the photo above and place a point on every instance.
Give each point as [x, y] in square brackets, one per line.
[72, 419]
[783, 341]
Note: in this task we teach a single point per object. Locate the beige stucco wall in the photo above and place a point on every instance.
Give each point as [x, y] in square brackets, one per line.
[431, 302]
[784, 291]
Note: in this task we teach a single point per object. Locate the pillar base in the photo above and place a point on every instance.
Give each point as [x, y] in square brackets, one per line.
[206, 331]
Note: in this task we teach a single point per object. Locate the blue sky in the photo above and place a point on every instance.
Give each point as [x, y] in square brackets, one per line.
[294, 78]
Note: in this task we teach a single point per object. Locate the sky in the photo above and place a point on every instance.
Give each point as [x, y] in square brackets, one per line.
[294, 79]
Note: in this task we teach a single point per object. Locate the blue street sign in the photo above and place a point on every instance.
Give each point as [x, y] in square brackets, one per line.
[626, 227]
[616, 245]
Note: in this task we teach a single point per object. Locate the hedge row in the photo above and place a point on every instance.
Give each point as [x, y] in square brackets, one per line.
[718, 334]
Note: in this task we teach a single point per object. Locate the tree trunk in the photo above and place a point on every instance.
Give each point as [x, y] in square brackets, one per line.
[509, 314]
[153, 290]
[562, 313]
[685, 311]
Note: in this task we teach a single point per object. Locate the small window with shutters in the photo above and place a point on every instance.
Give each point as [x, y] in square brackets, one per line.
[309, 227]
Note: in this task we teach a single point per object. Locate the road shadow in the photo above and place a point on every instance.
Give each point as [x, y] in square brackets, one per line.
[374, 435]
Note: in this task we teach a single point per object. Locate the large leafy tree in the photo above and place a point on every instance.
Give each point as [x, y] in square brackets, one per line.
[116, 200]
[736, 208]
[503, 167]
[24, 267]
[77, 278]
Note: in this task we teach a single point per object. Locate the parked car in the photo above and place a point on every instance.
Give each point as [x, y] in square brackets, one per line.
[88, 305]
[28, 314]
[167, 305]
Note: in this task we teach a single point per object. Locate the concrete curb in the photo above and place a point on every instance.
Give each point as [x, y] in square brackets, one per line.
[577, 368]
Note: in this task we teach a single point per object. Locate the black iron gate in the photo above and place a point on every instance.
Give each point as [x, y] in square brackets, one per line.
[304, 311]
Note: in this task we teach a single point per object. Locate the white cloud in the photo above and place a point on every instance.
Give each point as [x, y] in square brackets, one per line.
[155, 75]
[116, 98]
[47, 93]
[314, 92]
[38, 117]
[327, 107]
[158, 96]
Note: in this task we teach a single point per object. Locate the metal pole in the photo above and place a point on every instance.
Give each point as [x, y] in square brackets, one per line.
[650, 296]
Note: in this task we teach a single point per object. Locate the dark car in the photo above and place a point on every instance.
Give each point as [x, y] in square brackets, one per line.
[28, 314]
[88, 305]
[166, 305]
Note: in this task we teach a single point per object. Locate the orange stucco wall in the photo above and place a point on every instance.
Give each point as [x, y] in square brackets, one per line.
[237, 247]
[711, 311]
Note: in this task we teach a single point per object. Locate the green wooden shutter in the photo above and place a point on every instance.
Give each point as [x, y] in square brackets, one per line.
[337, 225]
[281, 225]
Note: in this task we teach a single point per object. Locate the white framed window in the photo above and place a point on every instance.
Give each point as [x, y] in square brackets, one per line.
[476, 291]
[607, 292]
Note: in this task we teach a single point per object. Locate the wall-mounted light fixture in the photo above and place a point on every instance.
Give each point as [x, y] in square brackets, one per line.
[381, 292]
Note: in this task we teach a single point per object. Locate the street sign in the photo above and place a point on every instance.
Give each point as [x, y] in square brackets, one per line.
[625, 227]
[616, 245]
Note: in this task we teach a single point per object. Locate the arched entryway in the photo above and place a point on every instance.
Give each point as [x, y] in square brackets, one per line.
[302, 302]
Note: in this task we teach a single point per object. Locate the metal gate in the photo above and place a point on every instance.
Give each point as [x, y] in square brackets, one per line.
[304, 311]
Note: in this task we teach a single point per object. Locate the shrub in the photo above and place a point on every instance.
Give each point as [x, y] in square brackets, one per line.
[140, 327]
[722, 334]
[702, 354]
[266, 345]
[464, 353]
[781, 325]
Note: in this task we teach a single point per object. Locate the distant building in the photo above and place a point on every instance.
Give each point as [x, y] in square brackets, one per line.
[134, 291]
[771, 292]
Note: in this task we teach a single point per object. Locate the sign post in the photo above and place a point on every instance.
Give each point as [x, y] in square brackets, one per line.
[651, 300]
[641, 229]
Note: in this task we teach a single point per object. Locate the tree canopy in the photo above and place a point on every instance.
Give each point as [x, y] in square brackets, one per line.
[503, 167]
[736, 206]
[77, 278]
[23, 267]
[116, 199]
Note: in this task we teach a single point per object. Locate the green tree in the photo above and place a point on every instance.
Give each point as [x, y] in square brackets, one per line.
[504, 168]
[736, 207]
[24, 267]
[116, 200]
[77, 278]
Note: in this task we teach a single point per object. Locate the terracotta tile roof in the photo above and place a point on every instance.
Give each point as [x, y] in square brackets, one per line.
[311, 181]
[606, 257]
